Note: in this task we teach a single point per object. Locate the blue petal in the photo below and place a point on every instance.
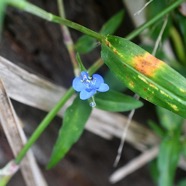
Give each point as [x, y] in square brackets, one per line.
[86, 95]
[97, 80]
[78, 85]
[103, 87]
[84, 75]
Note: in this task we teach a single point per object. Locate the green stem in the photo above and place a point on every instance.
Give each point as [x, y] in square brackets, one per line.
[95, 66]
[154, 19]
[30, 8]
[46, 121]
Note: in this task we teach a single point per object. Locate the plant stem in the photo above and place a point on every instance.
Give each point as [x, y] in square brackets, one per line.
[95, 66]
[46, 121]
[67, 39]
[154, 19]
[30, 8]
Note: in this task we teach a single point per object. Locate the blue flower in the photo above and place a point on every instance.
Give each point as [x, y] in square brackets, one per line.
[88, 86]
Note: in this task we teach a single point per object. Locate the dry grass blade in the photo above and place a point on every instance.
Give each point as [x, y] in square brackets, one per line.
[17, 139]
[134, 164]
[37, 92]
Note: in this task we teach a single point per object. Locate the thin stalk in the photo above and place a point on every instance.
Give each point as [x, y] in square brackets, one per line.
[137, 31]
[30, 8]
[95, 66]
[42, 126]
[67, 39]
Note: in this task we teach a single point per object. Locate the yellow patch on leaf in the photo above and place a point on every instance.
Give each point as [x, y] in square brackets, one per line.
[147, 64]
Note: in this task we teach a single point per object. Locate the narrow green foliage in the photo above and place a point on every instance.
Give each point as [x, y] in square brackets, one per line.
[74, 122]
[171, 146]
[144, 74]
[156, 128]
[179, 47]
[112, 24]
[168, 159]
[113, 82]
[86, 43]
[182, 183]
[2, 13]
[184, 148]
[154, 170]
[154, 9]
[116, 102]
[168, 119]
[181, 23]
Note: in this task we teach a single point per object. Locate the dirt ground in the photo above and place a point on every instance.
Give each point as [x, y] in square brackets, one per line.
[37, 46]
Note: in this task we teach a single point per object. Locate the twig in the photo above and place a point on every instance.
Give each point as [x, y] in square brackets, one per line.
[67, 39]
[120, 149]
[17, 139]
[159, 36]
[134, 164]
[146, 4]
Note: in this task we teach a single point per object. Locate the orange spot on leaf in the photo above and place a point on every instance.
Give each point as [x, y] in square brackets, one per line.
[147, 64]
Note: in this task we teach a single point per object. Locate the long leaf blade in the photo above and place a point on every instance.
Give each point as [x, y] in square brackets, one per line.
[73, 125]
[116, 102]
[86, 43]
[168, 159]
[150, 77]
[2, 13]
[169, 120]
[112, 24]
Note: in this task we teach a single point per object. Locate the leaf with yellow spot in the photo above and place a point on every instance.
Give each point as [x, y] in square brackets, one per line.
[144, 74]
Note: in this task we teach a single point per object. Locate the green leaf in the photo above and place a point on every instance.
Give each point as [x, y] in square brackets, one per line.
[156, 128]
[116, 102]
[2, 13]
[182, 183]
[184, 148]
[74, 121]
[112, 24]
[168, 159]
[152, 10]
[169, 120]
[181, 22]
[113, 82]
[86, 43]
[144, 74]
[154, 172]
